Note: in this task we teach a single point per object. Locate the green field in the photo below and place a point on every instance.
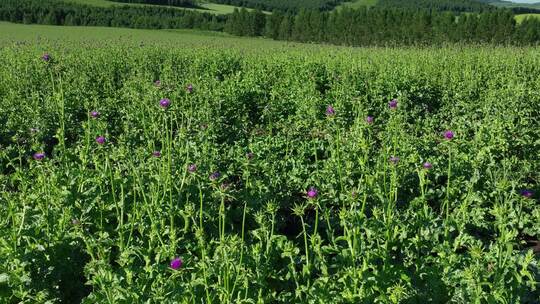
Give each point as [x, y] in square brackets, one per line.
[10, 33]
[208, 7]
[143, 166]
[358, 3]
[520, 18]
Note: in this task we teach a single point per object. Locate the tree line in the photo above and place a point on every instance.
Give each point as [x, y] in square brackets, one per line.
[179, 3]
[382, 26]
[454, 5]
[352, 27]
[147, 17]
[437, 5]
[284, 5]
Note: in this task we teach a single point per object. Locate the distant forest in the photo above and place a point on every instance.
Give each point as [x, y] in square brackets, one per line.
[438, 5]
[378, 26]
[148, 17]
[284, 5]
[180, 3]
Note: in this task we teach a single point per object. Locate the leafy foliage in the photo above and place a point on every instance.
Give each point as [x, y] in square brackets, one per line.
[437, 5]
[102, 222]
[149, 17]
[284, 5]
[180, 3]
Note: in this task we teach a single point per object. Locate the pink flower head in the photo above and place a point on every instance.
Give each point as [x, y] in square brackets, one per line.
[176, 263]
[369, 120]
[100, 140]
[312, 193]
[192, 168]
[393, 104]
[427, 165]
[39, 156]
[448, 135]
[330, 111]
[189, 88]
[94, 114]
[164, 103]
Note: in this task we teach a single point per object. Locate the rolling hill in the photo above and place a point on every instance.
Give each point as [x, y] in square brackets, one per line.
[206, 7]
[502, 3]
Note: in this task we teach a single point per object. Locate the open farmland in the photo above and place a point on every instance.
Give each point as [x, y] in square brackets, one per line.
[520, 18]
[99, 36]
[143, 166]
[357, 4]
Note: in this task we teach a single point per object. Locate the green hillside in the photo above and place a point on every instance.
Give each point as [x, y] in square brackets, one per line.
[520, 18]
[358, 4]
[501, 3]
[10, 33]
[206, 7]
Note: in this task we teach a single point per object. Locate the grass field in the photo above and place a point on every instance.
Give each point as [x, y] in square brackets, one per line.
[208, 7]
[10, 33]
[520, 18]
[192, 167]
[358, 3]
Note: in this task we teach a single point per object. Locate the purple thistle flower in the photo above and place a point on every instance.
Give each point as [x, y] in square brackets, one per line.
[427, 165]
[394, 160]
[527, 193]
[46, 57]
[156, 154]
[250, 155]
[369, 120]
[100, 140]
[164, 103]
[176, 263]
[39, 156]
[192, 168]
[214, 176]
[189, 88]
[312, 193]
[448, 134]
[94, 114]
[330, 111]
[393, 104]
[157, 83]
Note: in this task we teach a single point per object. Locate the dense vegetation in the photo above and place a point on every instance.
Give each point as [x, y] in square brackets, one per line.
[180, 3]
[301, 175]
[389, 27]
[284, 5]
[149, 17]
[438, 5]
